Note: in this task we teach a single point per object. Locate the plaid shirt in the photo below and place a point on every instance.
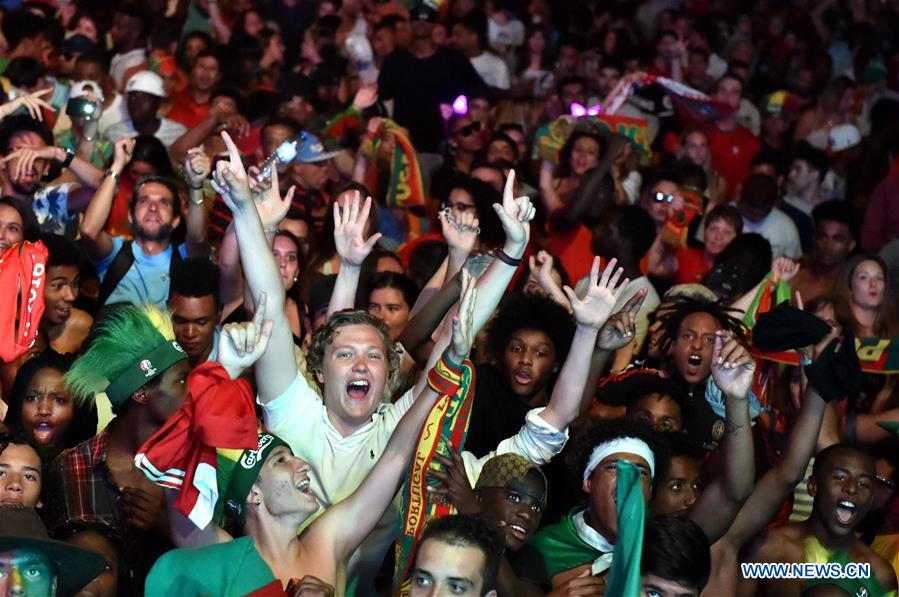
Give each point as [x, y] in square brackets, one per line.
[80, 491]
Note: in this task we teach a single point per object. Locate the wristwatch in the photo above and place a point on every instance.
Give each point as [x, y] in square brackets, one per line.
[70, 155]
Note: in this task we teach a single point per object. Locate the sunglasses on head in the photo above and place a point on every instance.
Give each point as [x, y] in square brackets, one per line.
[466, 130]
[660, 197]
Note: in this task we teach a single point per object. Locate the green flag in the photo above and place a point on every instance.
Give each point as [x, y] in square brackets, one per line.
[624, 577]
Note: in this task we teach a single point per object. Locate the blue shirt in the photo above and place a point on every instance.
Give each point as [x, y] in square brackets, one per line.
[147, 281]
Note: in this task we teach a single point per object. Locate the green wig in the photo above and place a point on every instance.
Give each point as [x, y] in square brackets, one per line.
[120, 341]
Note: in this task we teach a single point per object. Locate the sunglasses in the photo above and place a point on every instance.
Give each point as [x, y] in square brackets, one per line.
[474, 127]
[660, 197]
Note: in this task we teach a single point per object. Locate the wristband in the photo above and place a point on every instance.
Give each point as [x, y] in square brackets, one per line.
[505, 258]
[445, 377]
[70, 155]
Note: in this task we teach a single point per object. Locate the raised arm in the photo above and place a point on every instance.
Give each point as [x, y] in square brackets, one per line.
[197, 166]
[277, 368]
[344, 526]
[95, 240]
[515, 215]
[591, 314]
[349, 225]
[778, 482]
[732, 371]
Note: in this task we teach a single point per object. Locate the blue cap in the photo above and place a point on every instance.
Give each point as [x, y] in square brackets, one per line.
[310, 149]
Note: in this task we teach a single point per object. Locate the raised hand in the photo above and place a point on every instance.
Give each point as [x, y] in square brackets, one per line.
[732, 366]
[349, 226]
[602, 293]
[620, 329]
[31, 102]
[365, 97]
[241, 344]
[123, 150]
[24, 160]
[230, 179]
[784, 269]
[197, 167]
[461, 232]
[266, 192]
[454, 483]
[463, 322]
[515, 215]
[542, 270]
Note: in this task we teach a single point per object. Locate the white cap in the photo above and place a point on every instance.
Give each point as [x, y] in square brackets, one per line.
[843, 136]
[146, 81]
[82, 88]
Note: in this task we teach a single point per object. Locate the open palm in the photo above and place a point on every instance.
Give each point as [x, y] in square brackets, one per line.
[602, 294]
[349, 226]
[733, 367]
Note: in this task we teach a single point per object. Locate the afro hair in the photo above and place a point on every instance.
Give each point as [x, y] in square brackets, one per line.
[531, 312]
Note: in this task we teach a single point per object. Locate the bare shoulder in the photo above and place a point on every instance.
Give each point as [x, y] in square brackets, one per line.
[881, 568]
[780, 544]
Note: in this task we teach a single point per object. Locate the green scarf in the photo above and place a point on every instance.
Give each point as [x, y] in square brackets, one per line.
[624, 577]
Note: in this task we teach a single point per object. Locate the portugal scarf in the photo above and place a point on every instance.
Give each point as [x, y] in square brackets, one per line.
[406, 188]
[445, 427]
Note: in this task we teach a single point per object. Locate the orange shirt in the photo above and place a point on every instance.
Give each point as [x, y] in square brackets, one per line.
[573, 250]
[186, 111]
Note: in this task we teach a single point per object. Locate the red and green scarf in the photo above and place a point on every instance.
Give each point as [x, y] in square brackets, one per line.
[445, 427]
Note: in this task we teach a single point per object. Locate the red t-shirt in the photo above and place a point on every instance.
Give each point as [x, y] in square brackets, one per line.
[186, 111]
[573, 250]
[732, 154]
[691, 266]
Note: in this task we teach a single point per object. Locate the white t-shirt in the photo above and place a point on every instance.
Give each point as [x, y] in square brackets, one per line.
[492, 69]
[779, 230]
[168, 132]
[509, 34]
[299, 417]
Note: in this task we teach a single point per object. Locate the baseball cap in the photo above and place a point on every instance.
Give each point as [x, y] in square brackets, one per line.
[78, 44]
[501, 469]
[843, 136]
[146, 81]
[423, 12]
[311, 150]
[781, 103]
[82, 88]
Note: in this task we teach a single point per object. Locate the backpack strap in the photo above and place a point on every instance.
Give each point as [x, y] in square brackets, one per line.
[120, 265]
[117, 270]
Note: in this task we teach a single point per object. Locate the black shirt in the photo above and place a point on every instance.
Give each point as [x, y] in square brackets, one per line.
[418, 87]
[496, 414]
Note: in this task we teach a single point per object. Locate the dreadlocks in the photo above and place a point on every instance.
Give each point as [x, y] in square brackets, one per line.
[682, 307]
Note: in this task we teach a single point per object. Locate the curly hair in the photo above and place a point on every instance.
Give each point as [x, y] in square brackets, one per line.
[84, 416]
[682, 307]
[328, 332]
[530, 312]
[608, 429]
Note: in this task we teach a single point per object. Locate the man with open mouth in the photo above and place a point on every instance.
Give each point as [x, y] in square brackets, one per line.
[842, 485]
[340, 420]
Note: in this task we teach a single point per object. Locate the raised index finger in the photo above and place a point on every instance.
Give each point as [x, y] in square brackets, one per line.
[233, 152]
[508, 191]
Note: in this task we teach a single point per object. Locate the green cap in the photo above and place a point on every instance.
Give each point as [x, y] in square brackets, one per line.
[237, 477]
[143, 370]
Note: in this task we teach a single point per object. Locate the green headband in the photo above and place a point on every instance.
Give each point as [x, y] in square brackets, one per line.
[244, 474]
[143, 370]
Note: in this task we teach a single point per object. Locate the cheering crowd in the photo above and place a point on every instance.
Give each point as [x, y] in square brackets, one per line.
[461, 297]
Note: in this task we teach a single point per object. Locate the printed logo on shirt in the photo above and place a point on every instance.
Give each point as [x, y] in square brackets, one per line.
[147, 367]
[251, 457]
[177, 346]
